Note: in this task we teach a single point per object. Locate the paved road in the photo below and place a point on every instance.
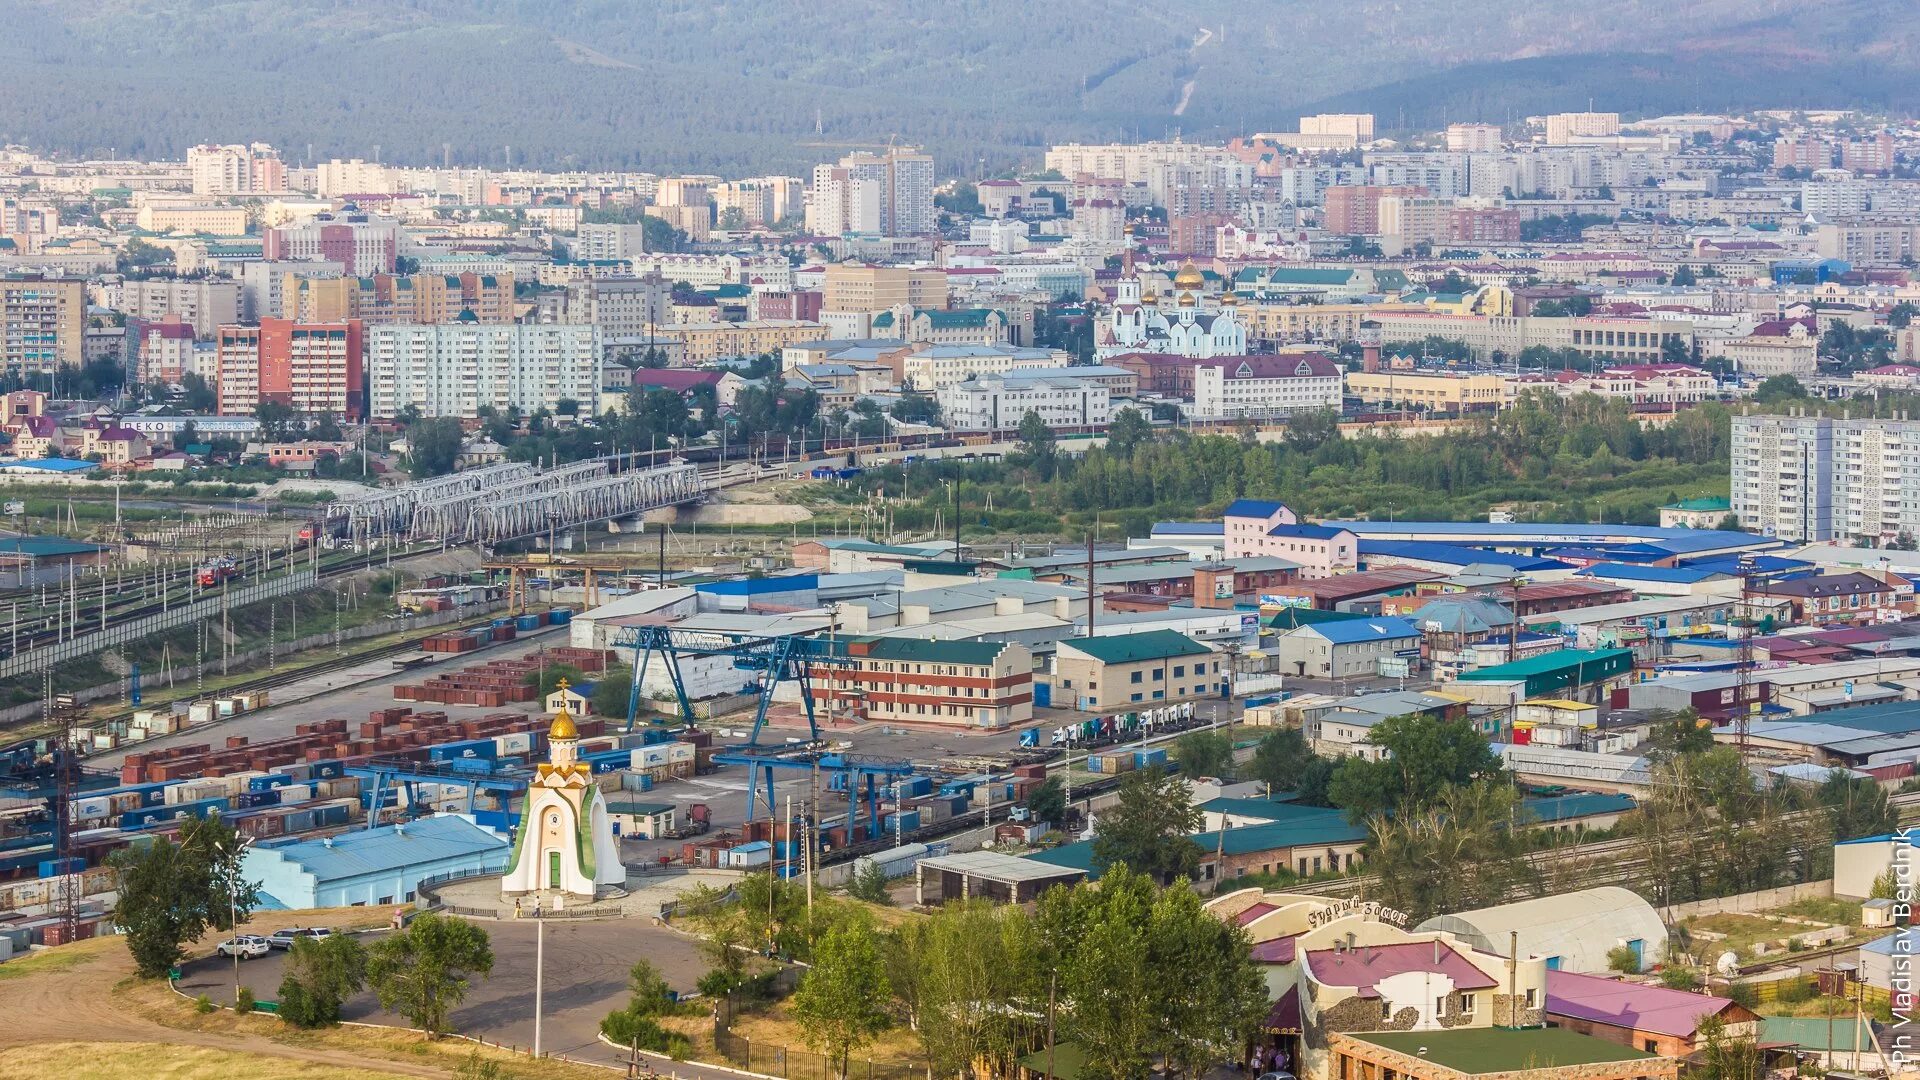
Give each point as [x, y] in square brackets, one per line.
[586, 967]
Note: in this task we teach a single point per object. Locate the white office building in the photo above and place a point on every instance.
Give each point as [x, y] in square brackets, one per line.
[453, 369]
[997, 403]
[1258, 387]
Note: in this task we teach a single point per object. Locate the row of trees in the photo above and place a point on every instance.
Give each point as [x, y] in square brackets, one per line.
[976, 983]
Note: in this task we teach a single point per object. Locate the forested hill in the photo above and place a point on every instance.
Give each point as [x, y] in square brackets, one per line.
[746, 84]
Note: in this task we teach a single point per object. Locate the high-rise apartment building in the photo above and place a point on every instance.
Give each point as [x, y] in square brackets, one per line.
[361, 243]
[1873, 154]
[313, 368]
[1357, 127]
[386, 299]
[606, 242]
[890, 194]
[1473, 138]
[1812, 478]
[202, 303]
[1564, 128]
[1355, 211]
[42, 324]
[236, 170]
[455, 368]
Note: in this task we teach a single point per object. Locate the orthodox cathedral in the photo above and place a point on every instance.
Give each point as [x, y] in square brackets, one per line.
[1192, 325]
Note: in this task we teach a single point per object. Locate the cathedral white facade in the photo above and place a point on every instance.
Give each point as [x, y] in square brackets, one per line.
[1190, 326]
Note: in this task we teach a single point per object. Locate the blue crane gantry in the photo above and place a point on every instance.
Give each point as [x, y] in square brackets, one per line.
[383, 773]
[865, 777]
[775, 659]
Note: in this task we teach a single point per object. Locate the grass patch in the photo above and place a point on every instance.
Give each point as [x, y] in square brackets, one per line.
[111, 1061]
[1823, 909]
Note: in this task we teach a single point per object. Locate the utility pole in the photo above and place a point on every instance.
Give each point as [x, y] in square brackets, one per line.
[539, 978]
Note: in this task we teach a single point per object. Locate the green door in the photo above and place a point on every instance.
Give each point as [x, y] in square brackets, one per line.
[553, 870]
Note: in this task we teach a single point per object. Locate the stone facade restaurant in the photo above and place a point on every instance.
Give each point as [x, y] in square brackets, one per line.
[1490, 1054]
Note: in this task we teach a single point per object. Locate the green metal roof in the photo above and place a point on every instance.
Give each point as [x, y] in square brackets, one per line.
[1810, 1032]
[1490, 1050]
[635, 806]
[1308, 275]
[1131, 648]
[1065, 1062]
[924, 651]
[1292, 618]
[968, 317]
[1705, 504]
[43, 547]
[1310, 826]
[1551, 663]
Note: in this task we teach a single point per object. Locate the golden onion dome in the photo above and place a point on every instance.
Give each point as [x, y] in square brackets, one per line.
[1149, 297]
[1187, 300]
[1229, 299]
[1189, 277]
[563, 726]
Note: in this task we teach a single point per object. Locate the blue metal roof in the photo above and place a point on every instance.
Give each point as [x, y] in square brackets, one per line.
[1673, 575]
[755, 586]
[1354, 631]
[1254, 508]
[1305, 532]
[1675, 541]
[385, 848]
[59, 465]
[1761, 564]
[1456, 554]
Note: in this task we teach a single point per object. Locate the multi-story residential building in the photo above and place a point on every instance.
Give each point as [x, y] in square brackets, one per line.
[210, 220]
[629, 307]
[1782, 476]
[970, 326]
[1355, 210]
[1262, 387]
[453, 369]
[202, 303]
[1473, 138]
[1831, 197]
[998, 403]
[1412, 219]
[929, 368]
[42, 324]
[1641, 384]
[361, 243]
[335, 179]
[599, 242]
[1873, 154]
[1121, 671]
[1802, 152]
[317, 369]
[1257, 527]
[236, 170]
[856, 293]
[976, 684]
[1136, 163]
[1876, 479]
[1284, 323]
[388, 299]
[164, 351]
[704, 271]
[1480, 225]
[1564, 129]
[704, 344]
[1869, 241]
[890, 193]
[1433, 391]
[28, 223]
[1779, 347]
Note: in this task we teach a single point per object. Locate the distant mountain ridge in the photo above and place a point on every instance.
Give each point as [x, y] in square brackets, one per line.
[737, 85]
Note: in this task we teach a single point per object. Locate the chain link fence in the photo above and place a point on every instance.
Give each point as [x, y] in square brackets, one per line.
[795, 1064]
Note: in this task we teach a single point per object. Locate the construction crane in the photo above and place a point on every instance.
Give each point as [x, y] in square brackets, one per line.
[773, 659]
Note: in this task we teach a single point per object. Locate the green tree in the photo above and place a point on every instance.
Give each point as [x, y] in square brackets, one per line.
[969, 976]
[1425, 757]
[1204, 753]
[1900, 316]
[1684, 276]
[1036, 439]
[1048, 802]
[1150, 828]
[197, 395]
[1128, 430]
[911, 408]
[170, 893]
[869, 883]
[321, 974]
[612, 691]
[1675, 350]
[423, 972]
[1623, 959]
[1458, 852]
[841, 1003]
[1280, 758]
[433, 446]
[276, 420]
[1856, 806]
[1669, 735]
[1311, 429]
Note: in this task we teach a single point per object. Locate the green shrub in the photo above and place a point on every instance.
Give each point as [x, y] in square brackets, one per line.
[1796, 991]
[203, 1005]
[1674, 977]
[1623, 959]
[629, 1029]
[243, 1001]
[1745, 995]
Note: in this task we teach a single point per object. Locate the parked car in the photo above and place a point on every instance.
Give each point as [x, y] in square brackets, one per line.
[284, 939]
[246, 947]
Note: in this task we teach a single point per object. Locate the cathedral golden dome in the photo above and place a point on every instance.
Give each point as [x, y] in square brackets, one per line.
[1187, 300]
[1230, 299]
[1189, 277]
[1149, 297]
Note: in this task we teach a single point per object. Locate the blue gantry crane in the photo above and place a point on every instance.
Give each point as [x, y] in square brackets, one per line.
[772, 660]
[866, 778]
[382, 774]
